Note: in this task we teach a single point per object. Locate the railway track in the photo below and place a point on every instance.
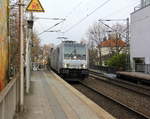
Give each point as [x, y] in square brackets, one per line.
[133, 96]
[110, 105]
[142, 89]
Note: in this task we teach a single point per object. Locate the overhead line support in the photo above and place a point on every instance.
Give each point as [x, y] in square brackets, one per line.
[21, 40]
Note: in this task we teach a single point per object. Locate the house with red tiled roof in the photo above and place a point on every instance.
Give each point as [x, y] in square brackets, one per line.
[113, 43]
[111, 47]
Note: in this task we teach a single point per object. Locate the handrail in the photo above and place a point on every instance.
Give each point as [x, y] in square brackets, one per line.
[4, 92]
[9, 99]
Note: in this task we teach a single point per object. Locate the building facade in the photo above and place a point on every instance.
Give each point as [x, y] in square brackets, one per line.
[140, 36]
[110, 47]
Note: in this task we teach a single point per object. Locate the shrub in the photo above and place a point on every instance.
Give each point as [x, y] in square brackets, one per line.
[117, 61]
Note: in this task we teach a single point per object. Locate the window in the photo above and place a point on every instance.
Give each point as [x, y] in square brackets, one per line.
[75, 51]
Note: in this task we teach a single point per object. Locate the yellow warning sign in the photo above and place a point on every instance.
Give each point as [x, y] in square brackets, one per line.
[35, 6]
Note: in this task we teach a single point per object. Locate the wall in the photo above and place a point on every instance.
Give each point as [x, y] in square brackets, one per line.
[140, 34]
[3, 43]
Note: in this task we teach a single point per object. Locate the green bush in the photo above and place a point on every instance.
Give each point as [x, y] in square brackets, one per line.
[118, 61]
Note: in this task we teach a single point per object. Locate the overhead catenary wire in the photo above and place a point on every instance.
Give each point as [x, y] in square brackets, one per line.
[67, 16]
[120, 10]
[63, 19]
[51, 27]
[77, 5]
[44, 18]
[111, 27]
[127, 6]
[74, 9]
[87, 16]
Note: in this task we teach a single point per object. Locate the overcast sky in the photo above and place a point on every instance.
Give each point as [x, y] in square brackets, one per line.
[74, 11]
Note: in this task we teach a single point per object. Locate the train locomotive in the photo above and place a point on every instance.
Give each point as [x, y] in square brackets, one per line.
[70, 59]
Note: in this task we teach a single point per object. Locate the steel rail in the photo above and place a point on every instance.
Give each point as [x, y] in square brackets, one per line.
[125, 84]
[114, 100]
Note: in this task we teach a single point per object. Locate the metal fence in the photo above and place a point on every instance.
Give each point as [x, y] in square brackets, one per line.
[104, 69]
[9, 100]
[145, 68]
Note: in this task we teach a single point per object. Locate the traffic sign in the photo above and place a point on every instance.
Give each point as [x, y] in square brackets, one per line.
[35, 6]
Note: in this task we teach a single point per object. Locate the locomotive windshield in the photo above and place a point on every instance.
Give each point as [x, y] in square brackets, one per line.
[75, 51]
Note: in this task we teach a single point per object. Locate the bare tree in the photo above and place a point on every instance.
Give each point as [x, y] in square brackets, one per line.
[46, 49]
[13, 35]
[116, 45]
[95, 35]
[98, 33]
[14, 45]
[36, 50]
[118, 37]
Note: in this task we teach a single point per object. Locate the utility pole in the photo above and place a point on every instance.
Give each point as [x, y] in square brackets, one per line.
[128, 44]
[28, 52]
[32, 7]
[21, 39]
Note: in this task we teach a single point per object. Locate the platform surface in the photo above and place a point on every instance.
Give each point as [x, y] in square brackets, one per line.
[53, 98]
[136, 75]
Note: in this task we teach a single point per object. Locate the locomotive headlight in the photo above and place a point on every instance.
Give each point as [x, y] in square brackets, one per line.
[75, 57]
[65, 65]
[83, 66]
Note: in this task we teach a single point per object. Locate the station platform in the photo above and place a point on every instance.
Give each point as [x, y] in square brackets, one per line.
[52, 98]
[134, 76]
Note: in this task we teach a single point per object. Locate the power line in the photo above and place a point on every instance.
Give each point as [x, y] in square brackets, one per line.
[87, 16]
[111, 27]
[121, 9]
[127, 6]
[63, 19]
[77, 6]
[50, 27]
[74, 8]
[49, 18]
